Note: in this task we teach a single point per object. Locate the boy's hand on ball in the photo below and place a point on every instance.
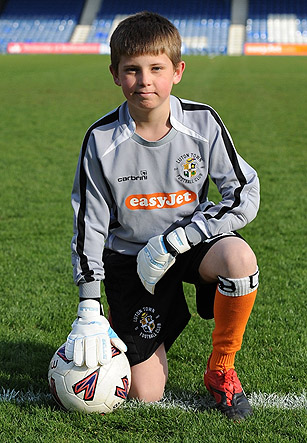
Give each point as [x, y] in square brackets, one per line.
[159, 255]
[91, 337]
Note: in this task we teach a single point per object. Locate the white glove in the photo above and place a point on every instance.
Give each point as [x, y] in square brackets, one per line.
[159, 255]
[91, 337]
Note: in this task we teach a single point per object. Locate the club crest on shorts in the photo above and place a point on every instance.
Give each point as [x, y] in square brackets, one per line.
[147, 322]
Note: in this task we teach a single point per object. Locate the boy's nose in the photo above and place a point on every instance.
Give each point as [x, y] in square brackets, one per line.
[144, 78]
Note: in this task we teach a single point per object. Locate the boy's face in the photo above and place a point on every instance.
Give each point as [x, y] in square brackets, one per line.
[147, 80]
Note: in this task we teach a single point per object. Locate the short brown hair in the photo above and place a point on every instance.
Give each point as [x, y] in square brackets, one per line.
[145, 33]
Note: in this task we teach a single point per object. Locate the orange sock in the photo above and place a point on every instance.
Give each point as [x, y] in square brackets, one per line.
[231, 313]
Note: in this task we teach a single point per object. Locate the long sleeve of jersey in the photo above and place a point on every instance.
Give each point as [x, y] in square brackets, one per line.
[127, 189]
[236, 181]
[91, 204]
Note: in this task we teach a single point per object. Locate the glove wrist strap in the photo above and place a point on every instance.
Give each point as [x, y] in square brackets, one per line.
[89, 308]
[95, 299]
[169, 248]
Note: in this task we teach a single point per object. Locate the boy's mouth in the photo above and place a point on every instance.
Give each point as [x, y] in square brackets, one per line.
[145, 94]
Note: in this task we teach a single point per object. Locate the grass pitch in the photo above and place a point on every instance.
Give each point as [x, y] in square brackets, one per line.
[47, 103]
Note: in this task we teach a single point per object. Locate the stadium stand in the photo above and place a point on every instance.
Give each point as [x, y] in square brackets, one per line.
[203, 25]
[206, 26]
[277, 21]
[38, 21]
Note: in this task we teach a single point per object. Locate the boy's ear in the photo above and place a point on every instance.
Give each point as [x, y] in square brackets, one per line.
[115, 76]
[178, 72]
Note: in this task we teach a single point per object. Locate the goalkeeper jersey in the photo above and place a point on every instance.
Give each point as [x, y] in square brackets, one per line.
[128, 189]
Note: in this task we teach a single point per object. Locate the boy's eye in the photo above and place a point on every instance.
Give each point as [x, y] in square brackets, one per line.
[131, 69]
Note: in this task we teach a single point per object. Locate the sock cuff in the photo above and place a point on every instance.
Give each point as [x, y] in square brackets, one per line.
[222, 362]
[236, 287]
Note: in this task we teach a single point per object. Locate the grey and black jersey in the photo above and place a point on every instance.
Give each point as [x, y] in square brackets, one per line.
[127, 189]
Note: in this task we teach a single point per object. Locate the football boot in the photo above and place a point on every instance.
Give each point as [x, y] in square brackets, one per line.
[226, 388]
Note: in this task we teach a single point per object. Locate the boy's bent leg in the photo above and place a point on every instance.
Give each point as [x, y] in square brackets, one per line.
[147, 324]
[232, 262]
[148, 378]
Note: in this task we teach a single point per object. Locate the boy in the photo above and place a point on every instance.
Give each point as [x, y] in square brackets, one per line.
[143, 222]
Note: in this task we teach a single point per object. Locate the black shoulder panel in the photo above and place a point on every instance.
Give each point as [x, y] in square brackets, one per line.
[230, 151]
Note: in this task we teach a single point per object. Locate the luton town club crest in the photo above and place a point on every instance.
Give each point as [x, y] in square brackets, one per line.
[188, 168]
[147, 322]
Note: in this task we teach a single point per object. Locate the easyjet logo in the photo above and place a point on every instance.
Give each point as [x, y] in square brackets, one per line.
[160, 200]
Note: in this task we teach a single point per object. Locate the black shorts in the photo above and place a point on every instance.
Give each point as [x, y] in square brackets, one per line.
[144, 321]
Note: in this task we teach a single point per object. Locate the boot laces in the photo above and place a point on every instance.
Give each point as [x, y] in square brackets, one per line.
[231, 384]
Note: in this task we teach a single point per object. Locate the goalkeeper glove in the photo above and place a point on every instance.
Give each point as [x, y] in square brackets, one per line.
[159, 255]
[91, 337]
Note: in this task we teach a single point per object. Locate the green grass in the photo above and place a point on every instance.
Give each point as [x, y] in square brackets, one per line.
[47, 103]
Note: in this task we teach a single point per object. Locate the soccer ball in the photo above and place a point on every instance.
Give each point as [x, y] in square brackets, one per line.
[79, 388]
